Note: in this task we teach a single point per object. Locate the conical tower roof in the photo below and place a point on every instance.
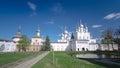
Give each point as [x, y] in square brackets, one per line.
[18, 35]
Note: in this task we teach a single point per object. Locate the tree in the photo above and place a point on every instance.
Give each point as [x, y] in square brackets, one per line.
[23, 43]
[19, 45]
[107, 38]
[117, 37]
[47, 44]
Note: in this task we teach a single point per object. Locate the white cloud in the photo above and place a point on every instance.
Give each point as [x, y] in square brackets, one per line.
[32, 6]
[57, 8]
[112, 16]
[96, 26]
[50, 22]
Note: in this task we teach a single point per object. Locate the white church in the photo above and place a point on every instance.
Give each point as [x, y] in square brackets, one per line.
[80, 40]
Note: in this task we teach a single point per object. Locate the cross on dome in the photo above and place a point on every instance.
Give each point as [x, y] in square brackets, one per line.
[65, 30]
[19, 30]
[38, 32]
[81, 25]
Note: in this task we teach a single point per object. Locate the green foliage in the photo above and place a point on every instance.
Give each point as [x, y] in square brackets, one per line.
[117, 40]
[107, 42]
[107, 38]
[117, 37]
[111, 37]
[65, 60]
[107, 35]
[47, 44]
[23, 43]
[12, 57]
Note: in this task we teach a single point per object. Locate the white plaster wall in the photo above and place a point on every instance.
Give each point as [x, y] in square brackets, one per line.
[9, 46]
[59, 46]
[105, 47]
[93, 47]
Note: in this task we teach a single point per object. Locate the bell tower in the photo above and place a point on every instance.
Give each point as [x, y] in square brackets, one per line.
[38, 32]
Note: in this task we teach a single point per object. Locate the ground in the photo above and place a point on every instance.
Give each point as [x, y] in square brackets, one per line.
[29, 63]
[61, 60]
[65, 60]
[11, 59]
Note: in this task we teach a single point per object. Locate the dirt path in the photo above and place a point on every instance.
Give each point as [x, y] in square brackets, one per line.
[29, 63]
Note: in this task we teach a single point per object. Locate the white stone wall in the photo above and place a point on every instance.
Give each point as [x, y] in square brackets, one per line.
[8, 46]
[56, 46]
[93, 47]
[105, 47]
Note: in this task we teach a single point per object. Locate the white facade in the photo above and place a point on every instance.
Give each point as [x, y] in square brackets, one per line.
[80, 40]
[37, 40]
[7, 46]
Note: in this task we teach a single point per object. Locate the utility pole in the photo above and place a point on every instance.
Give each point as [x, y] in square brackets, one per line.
[53, 56]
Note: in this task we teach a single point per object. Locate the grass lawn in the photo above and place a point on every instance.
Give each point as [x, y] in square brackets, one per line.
[11, 57]
[64, 60]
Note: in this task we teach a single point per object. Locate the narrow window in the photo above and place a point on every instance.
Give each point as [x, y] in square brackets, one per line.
[78, 49]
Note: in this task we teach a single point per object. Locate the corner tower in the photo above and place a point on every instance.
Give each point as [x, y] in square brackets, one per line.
[17, 37]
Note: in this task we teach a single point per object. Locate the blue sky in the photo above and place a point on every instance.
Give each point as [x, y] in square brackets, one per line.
[52, 16]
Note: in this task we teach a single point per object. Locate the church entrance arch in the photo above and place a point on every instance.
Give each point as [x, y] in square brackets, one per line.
[83, 49]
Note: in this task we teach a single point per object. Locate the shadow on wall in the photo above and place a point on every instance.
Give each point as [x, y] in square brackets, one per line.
[68, 48]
